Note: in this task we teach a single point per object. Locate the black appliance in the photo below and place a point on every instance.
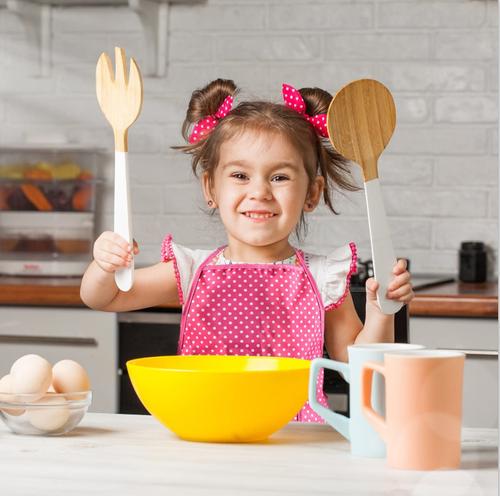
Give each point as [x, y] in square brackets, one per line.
[150, 332]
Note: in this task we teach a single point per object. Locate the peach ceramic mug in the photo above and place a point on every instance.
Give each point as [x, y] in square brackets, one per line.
[423, 405]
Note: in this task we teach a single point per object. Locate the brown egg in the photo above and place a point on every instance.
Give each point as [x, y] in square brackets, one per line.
[6, 388]
[49, 419]
[31, 374]
[69, 376]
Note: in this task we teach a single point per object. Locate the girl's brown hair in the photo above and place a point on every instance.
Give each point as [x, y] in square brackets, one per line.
[318, 154]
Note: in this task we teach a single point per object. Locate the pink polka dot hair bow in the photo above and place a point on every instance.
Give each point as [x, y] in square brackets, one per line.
[205, 125]
[294, 100]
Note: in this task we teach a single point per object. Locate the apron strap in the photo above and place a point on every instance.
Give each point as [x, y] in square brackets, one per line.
[300, 256]
[213, 255]
[194, 282]
[302, 261]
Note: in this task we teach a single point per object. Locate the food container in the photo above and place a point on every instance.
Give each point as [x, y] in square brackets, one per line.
[47, 210]
[227, 399]
[52, 415]
[472, 262]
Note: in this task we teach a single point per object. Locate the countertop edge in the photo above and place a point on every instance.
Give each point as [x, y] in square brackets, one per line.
[66, 294]
[454, 306]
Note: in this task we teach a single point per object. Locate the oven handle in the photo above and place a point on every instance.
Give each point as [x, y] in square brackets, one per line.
[47, 340]
[476, 353]
[149, 318]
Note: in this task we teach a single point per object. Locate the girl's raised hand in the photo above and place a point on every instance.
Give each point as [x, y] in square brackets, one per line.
[112, 252]
[399, 289]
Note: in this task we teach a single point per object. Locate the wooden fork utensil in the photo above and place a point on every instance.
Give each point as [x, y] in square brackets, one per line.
[361, 120]
[120, 98]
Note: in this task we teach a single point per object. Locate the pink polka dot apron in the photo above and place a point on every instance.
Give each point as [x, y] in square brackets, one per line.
[256, 310]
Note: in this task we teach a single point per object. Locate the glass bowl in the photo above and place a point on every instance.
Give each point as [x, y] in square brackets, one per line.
[50, 415]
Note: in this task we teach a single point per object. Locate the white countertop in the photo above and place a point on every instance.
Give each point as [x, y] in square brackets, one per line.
[134, 455]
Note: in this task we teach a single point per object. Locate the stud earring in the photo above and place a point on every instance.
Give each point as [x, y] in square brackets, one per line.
[210, 203]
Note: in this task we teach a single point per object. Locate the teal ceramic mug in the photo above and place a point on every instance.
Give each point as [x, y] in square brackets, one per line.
[365, 441]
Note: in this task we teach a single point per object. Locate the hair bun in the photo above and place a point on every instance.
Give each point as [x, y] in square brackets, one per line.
[317, 100]
[206, 101]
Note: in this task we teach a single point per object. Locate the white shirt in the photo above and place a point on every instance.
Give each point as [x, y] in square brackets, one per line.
[331, 273]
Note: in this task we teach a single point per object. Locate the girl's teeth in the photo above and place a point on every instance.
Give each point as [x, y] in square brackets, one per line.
[258, 216]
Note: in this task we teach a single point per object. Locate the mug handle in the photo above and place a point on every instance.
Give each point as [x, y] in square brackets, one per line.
[339, 422]
[372, 416]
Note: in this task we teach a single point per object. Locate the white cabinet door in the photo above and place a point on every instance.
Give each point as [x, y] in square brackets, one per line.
[84, 335]
[478, 339]
[480, 407]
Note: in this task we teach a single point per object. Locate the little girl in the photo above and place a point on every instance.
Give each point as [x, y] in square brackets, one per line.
[263, 165]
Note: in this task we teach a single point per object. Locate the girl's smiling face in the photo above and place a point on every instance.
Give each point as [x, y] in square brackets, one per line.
[260, 187]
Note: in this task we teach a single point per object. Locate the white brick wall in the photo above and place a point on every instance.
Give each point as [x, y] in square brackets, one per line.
[439, 173]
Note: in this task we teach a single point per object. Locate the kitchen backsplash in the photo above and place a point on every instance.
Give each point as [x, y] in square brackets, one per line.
[440, 60]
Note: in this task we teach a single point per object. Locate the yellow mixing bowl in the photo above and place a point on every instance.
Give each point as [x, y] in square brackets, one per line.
[227, 399]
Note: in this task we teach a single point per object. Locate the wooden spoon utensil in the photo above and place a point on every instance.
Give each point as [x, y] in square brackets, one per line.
[120, 98]
[361, 120]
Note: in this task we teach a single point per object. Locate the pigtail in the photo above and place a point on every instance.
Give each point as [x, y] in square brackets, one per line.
[203, 103]
[335, 169]
[206, 101]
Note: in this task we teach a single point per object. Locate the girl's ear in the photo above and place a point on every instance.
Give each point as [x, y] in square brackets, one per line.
[207, 189]
[314, 195]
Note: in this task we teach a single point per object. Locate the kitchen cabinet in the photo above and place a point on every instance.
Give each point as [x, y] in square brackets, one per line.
[478, 339]
[84, 335]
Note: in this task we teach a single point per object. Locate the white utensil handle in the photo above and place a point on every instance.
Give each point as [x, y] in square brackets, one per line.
[124, 278]
[381, 243]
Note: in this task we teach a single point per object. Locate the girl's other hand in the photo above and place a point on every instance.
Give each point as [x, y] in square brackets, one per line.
[112, 252]
[399, 289]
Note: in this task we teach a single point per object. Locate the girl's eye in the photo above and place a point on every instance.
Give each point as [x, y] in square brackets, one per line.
[239, 175]
[279, 178]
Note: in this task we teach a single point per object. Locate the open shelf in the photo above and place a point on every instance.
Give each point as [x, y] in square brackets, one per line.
[36, 18]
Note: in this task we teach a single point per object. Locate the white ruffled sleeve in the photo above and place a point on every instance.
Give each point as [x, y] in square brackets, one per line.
[186, 261]
[332, 274]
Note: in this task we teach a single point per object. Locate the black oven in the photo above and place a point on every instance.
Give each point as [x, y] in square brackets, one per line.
[150, 332]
